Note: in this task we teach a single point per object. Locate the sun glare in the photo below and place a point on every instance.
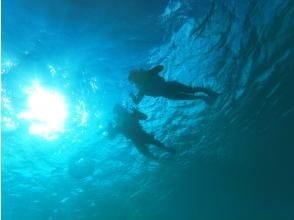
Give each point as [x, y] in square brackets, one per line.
[47, 112]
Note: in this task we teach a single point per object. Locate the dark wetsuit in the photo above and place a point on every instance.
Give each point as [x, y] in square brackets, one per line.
[151, 84]
[128, 125]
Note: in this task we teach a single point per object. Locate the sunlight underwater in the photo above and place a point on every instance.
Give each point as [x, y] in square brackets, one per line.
[234, 159]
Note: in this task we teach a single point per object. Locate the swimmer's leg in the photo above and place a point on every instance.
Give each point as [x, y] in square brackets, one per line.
[183, 96]
[177, 87]
[160, 145]
[178, 91]
[210, 94]
[144, 150]
[207, 91]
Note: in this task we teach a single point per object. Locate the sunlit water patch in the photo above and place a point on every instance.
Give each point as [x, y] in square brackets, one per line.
[46, 112]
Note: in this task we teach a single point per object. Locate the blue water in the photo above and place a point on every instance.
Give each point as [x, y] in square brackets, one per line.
[234, 159]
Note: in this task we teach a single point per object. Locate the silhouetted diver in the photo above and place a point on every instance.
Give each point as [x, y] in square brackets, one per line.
[128, 124]
[149, 83]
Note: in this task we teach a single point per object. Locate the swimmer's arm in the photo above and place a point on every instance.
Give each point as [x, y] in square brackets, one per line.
[156, 70]
[137, 98]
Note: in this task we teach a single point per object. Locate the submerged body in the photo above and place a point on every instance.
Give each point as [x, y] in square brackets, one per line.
[128, 124]
[149, 83]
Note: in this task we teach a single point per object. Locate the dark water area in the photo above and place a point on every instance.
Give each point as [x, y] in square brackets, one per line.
[234, 158]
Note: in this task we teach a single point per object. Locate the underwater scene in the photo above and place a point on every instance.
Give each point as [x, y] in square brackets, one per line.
[147, 110]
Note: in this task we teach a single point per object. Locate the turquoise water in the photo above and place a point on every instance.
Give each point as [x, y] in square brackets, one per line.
[65, 65]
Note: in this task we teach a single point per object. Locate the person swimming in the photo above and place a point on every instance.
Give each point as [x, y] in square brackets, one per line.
[149, 83]
[128, 124]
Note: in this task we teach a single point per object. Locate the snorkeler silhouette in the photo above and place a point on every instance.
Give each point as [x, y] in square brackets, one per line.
[128, 124]
[149, 83]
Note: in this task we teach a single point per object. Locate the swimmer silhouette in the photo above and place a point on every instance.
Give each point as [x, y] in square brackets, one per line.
[149, 83]
[128, 124]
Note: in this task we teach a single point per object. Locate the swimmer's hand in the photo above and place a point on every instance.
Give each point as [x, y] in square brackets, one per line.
[137, 98]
